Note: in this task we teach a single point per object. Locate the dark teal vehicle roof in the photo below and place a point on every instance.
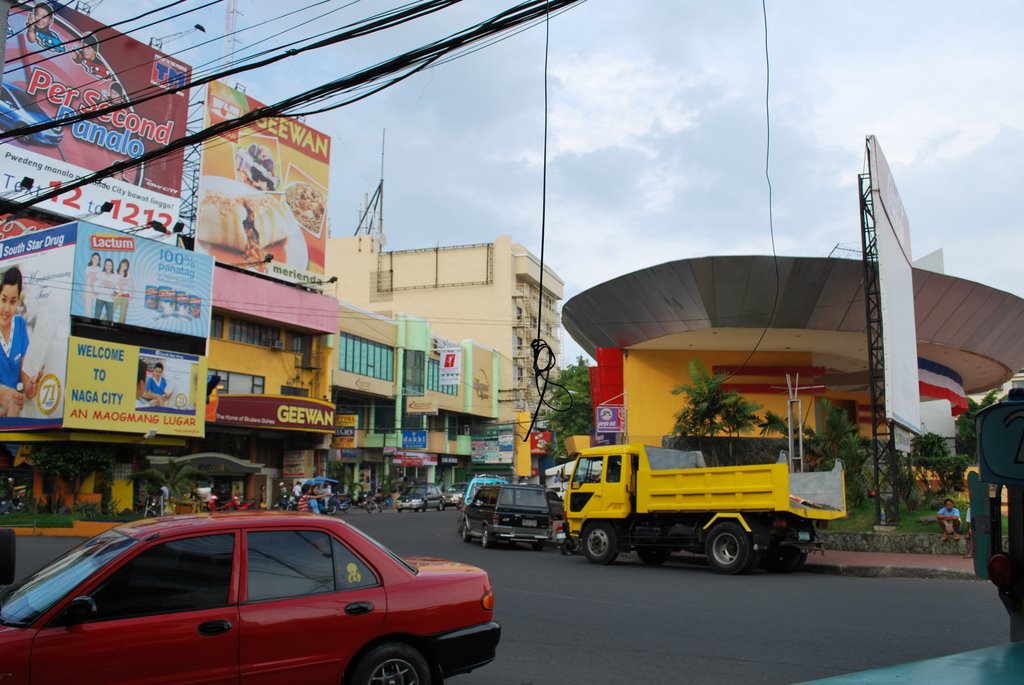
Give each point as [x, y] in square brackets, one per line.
[997, 665]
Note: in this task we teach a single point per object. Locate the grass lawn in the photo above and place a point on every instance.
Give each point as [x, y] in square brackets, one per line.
[863, 519]
[27, 520]
[41, 520]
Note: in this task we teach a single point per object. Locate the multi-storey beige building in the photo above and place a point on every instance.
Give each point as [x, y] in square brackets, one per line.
[492, 293]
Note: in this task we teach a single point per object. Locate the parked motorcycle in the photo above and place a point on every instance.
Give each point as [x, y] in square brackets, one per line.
[233, 504]
[372, 504]
[341, 504]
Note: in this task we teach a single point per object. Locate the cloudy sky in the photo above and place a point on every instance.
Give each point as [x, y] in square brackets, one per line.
[657, 127]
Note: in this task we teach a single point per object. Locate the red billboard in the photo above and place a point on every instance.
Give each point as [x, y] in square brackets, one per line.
[61, 63]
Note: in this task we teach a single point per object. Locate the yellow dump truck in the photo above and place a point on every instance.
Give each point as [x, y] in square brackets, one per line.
[657, 501]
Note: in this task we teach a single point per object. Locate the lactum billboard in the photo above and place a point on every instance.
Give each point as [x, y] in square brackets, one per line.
[61, 63]
[263, 192]
[50, 379]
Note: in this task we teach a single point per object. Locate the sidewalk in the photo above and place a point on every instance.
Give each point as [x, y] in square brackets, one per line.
[892, 565]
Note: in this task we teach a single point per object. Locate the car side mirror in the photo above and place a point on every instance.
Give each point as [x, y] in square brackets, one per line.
[81, 609]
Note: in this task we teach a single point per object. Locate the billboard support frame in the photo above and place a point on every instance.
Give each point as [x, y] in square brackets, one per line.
[884, 458]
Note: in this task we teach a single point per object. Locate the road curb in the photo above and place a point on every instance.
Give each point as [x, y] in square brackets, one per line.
[890, 572]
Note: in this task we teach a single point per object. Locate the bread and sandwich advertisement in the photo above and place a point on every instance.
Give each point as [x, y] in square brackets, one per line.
[263, 192]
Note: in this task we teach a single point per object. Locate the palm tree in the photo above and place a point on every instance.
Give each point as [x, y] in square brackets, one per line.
[704, 402]
[773, 423]
[177, 478]
[825, 444]
[738, 415]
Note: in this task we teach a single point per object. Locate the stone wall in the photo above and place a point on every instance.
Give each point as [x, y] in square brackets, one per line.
[902, 543]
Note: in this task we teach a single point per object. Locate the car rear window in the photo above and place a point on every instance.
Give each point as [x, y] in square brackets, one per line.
[523, 497]
[293, 563]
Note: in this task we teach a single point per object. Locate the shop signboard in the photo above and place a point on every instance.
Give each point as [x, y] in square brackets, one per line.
[540, 442]
[610, 419]
[126, 279]
[344, 431]
[293, 464]
[61, 63]
[35, 319]
[450, 367]
[414, 439]
[279, 412]
[493, 445]
[128, 389]
[263, 192]
[414, 459]
[421, 406]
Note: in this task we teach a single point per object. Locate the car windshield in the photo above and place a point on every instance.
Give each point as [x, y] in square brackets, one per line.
[23, 603]
[414, 492]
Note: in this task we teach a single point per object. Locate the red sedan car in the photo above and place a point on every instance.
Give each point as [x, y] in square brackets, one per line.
[251, 598]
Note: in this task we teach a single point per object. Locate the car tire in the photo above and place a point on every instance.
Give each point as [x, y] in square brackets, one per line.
[600, 543]
[440, 505]
[392, 662]
[398, 510]
[7, 551]
[537, 546]
[467, 534]
[728, 549]
[486, 541]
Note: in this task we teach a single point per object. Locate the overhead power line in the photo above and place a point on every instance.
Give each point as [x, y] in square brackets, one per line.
[395, 69]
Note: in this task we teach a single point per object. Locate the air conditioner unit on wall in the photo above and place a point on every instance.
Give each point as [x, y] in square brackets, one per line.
[277, 344]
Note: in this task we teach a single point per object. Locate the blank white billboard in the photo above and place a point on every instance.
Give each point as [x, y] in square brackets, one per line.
[899, 327]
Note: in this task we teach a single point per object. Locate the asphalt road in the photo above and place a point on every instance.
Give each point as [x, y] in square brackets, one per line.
[567, 621]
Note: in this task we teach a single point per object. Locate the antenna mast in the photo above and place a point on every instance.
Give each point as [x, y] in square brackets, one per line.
[371, 221]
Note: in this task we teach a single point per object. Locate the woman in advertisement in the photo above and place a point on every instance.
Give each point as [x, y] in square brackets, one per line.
[15, 384]
[91, 272]
[106, 284]
[122, 291]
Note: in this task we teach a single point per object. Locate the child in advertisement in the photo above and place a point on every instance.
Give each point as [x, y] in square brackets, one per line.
[15, 384]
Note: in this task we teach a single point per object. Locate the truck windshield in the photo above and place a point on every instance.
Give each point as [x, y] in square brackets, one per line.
[588, 471]
[23, 603]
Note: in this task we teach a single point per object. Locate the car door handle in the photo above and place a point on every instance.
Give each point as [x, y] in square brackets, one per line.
[214, 627]
[359, 608]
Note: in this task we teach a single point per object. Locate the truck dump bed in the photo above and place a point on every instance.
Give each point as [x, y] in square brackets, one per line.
[672, 481]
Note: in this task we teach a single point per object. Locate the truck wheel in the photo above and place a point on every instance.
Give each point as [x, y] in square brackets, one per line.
[600, 543]
[486, 540]
[652, 556]
[6, 556]
[784, 559]
[464, 532]
[728, 549]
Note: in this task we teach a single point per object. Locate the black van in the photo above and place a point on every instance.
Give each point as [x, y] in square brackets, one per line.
[508, 513]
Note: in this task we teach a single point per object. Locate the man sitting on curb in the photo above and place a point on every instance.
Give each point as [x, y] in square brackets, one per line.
[949, 520]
